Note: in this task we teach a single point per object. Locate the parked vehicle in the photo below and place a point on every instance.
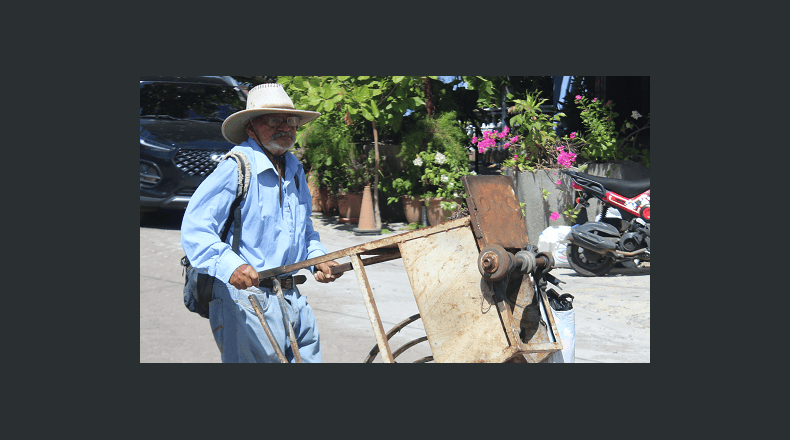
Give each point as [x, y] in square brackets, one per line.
[181, 139]
[594, 247]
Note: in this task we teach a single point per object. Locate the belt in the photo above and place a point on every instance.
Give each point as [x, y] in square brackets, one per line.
[286, 283]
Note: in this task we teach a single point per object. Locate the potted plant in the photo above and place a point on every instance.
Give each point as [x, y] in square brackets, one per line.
[325, 145]
[357, 174]
[436, 158]
[408, 187]
[537, 154]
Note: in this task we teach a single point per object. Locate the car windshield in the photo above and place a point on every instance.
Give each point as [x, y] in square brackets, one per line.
[207, 102]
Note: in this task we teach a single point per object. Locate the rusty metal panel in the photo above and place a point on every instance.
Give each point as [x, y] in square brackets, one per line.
[495, 211]
[462, 324]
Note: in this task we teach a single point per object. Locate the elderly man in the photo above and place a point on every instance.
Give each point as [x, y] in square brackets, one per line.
[276, 230]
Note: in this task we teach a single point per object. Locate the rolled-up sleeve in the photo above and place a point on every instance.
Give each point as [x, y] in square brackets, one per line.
[314, 246]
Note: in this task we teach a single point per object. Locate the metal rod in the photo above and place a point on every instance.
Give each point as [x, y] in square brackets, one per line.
[294, 346]
[408, 345]
[371, 245]
[256, 305]
[375, 350]
[367, 261]
[373, 313]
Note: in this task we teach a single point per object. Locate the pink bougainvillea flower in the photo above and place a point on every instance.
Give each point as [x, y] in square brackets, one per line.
[515, 156]
[507, 144]
[595, 99]
[474, 139]
[558, 183]
[514, 139]
[578, 97]
[573, 136]
[609, 102]
[554, 216]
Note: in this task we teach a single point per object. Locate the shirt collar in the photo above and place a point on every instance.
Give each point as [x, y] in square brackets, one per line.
[262, 162]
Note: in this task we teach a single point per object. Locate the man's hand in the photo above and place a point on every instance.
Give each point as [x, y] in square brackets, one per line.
[322, 272]
[244, 276]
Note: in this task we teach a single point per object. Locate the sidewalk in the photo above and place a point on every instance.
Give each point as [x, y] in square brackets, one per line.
[332, 224]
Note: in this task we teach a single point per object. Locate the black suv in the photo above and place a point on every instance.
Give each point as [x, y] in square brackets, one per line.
[181, 135]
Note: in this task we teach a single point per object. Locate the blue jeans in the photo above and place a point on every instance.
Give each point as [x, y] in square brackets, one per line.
[240, 336]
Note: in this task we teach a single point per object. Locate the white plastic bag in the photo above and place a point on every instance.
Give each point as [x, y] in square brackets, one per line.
[566, 327]
[552, 240]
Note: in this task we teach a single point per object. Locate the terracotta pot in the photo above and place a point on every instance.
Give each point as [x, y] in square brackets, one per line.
[436, 214]
[412, 208]
[349, 206]
[328, 202]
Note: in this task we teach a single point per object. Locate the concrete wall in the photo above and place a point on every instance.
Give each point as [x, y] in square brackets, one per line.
[538, 211]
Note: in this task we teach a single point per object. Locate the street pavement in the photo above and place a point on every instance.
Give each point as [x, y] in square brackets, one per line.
[612, 313]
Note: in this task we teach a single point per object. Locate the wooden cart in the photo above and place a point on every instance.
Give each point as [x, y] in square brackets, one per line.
[478, 285]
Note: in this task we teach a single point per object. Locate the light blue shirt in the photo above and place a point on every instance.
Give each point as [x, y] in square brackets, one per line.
[271, 235]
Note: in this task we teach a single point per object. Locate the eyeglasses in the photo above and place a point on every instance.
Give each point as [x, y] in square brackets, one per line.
[275, 120]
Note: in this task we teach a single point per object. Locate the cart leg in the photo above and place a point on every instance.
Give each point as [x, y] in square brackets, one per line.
[373, 313]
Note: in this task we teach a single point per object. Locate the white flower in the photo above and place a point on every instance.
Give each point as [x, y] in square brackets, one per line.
[456, 195]
[445, 178]
[635, 114]
[440, 158]
[473, 173]
[418, 161]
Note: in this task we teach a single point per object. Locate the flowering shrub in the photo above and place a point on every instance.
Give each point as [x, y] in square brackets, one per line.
[435, 147]
[442, 175]
[601, 139]
[565, 158]
[536, 144]
[492, 138]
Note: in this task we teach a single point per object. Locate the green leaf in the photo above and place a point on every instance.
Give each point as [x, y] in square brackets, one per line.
[362, 94]
[343, 78]
[298, 82]
[374, 109]
[397, 79]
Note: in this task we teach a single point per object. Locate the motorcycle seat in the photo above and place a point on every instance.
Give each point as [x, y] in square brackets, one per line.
[626, 188]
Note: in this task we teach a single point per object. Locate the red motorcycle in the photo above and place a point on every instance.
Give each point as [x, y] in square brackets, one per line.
[595, 247]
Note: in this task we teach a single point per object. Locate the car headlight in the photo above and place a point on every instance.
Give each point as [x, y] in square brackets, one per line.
[154, 145]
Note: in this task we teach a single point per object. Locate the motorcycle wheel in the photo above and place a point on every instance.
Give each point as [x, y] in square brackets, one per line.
[588, 263]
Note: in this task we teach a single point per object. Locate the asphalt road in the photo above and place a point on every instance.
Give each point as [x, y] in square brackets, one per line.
[612, 312]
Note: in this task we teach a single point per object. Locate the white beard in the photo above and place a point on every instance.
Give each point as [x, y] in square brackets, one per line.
[278, 149]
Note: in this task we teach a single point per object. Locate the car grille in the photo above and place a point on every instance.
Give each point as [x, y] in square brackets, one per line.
[197, 162]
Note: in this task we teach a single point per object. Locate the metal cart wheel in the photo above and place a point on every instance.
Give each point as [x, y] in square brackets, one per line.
[375, 350]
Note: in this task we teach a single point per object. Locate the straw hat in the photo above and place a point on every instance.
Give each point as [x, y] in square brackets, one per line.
[262, 100]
